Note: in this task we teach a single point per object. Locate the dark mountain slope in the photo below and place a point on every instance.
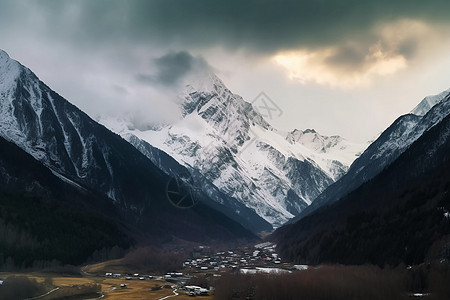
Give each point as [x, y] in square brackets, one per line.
[368, 165]
[382, 152]
[43, 218]
[401, 215]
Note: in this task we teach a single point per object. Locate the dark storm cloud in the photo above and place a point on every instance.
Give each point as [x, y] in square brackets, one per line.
[408, 47]
[258, 25]
[348, 57]
[170, 68]
[348, 36]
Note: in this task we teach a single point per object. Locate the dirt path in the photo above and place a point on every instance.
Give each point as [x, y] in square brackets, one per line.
[170, 296]
[46, 294]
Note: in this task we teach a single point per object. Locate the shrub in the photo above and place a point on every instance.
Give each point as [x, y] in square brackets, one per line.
[325, 282]
[20, 287]
[149, 259]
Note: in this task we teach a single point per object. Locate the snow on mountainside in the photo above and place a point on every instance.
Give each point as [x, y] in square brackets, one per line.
[334, 154]
[9, 70]
[276, 174]
[54, 131]
[65, 139]
[395, 140]
[428, 102]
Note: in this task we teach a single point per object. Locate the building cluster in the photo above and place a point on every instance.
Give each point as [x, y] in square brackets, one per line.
[206, 263]
[261, 255]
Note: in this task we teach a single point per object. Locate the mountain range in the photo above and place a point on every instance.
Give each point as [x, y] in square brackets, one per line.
[233, 150]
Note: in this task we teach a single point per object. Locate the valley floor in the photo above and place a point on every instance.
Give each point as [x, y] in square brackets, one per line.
[79, 287]
[255, 272]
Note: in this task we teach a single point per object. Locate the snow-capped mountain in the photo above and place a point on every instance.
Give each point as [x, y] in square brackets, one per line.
[57, 133]
[389, 145]
[224, 139]
[95, 160]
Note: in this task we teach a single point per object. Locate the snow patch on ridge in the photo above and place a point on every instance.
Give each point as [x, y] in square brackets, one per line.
[428, 102]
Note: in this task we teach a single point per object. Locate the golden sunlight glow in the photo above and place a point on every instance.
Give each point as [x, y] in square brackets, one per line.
[311, 66]
[348, 65]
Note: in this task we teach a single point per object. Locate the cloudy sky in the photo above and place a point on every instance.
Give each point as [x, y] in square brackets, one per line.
[340, 67]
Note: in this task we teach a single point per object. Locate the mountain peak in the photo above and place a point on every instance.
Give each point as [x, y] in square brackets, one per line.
[428, 102]
[9, 70]
[309, 131]
[204, 80]
[206, 95]
[3, 55]
[311, 136]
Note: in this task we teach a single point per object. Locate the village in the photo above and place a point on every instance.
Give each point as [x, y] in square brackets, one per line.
[260, 258]
[205, 265]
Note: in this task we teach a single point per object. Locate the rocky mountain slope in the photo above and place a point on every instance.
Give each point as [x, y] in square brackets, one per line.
[43, 218]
